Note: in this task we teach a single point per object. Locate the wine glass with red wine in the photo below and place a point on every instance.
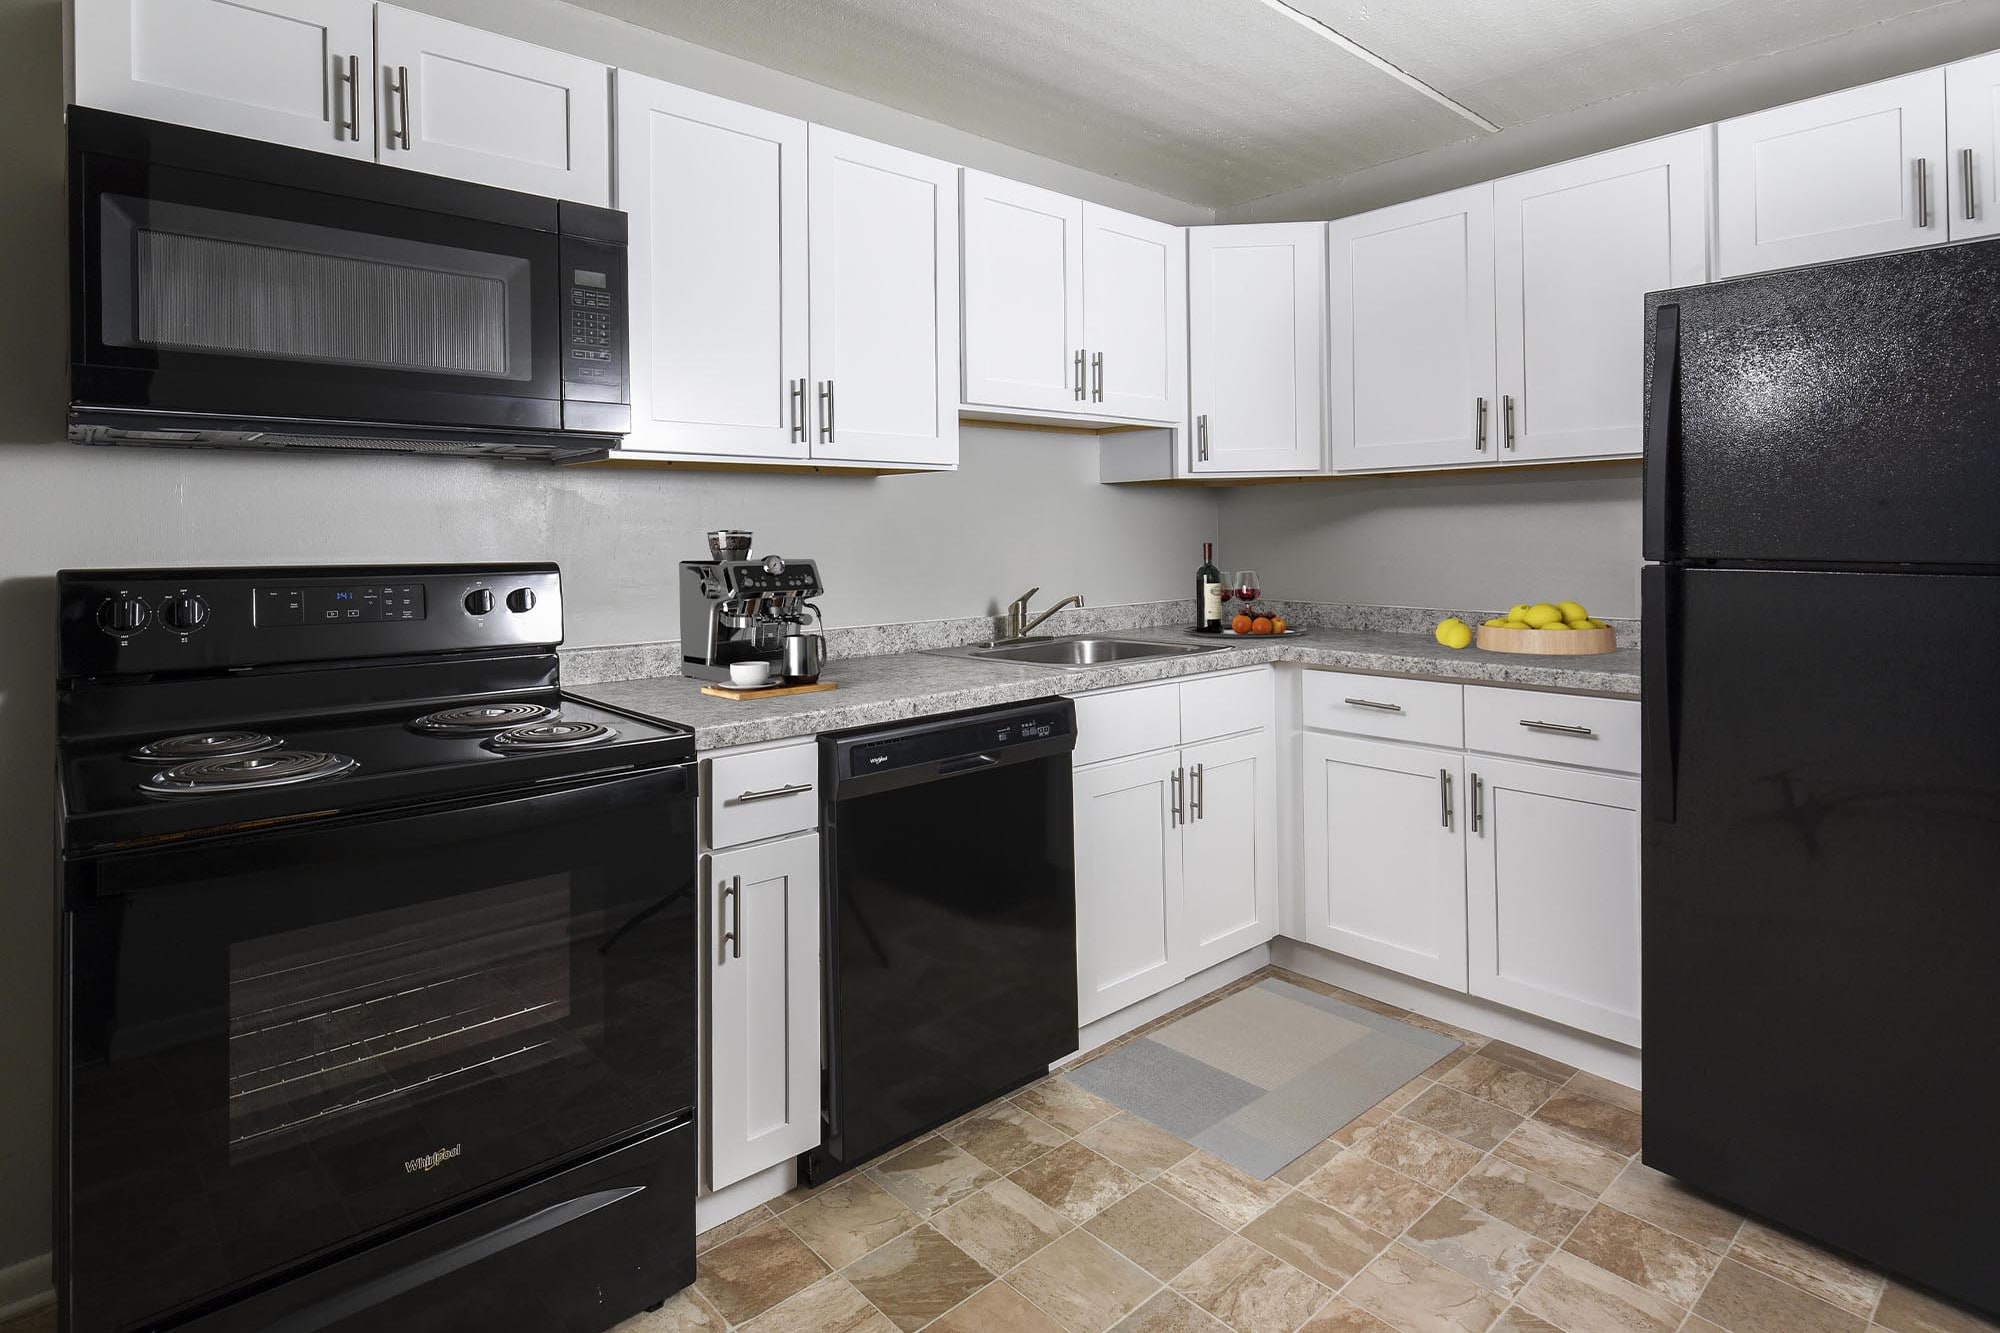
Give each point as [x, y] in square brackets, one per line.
[1247, 590]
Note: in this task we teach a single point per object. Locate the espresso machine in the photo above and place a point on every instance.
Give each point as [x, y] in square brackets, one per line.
[738, 609]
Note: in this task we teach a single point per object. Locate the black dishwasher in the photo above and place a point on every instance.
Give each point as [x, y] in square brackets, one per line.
[950, 900]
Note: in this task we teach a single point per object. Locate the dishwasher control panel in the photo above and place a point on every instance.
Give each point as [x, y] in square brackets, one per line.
[953, 744]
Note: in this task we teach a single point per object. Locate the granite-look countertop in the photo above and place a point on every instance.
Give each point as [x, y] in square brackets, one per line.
[899, 686]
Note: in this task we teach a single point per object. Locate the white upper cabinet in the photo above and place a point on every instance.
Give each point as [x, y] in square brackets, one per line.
[1972, 117]
[1852, 173]
[1411, 306]
[1134, 315]
[716, 196]
[1256, 314]
[1552, 894]
[1577, 247]
[295, 72]
[456, 101]
[1023, 258]
[883, 236]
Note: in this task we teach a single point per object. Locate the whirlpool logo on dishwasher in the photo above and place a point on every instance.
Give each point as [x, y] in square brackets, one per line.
[432, 1160]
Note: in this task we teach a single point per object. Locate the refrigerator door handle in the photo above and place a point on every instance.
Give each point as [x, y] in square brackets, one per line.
[1660, 692]
[1661, 472]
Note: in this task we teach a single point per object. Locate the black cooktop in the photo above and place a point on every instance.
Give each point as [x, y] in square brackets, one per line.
[113, 796]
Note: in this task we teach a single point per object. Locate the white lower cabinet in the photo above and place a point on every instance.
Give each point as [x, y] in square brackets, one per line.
[1176, 848]
[763, 996]
[1513, 880]
[1552, 893]
[1385, 867]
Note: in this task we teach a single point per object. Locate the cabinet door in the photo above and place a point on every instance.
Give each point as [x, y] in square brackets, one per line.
[1023, 256]
[1229, 848]
[295, 72]
[1385, 862]
[1411, 316]
[1130, 926]
[883, 237]
[456, 101]
[1552, 894]
[1832, 177]
[1256, 312]
[716, 197]
[1134, 315]
[1576, 248]
[1972, 118]
[763, 947]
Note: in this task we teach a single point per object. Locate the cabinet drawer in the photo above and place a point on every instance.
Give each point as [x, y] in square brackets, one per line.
[1122, 722]
[1223, 705]
[762, 794]
[1423, 712]
[1555, 728]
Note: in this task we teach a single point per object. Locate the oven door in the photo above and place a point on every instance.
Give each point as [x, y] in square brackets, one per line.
[277, 1044]
[228, 297]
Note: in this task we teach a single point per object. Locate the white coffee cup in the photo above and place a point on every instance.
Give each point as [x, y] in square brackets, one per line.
[747, 675]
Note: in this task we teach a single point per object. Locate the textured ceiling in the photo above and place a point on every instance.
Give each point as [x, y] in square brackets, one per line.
[1221, 101]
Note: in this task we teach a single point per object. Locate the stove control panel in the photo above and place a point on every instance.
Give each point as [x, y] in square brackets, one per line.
[116, 622]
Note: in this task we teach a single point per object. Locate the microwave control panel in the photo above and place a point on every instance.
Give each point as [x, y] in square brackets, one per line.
[593, 320]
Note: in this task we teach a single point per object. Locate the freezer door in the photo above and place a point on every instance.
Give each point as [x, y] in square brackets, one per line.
[1844, 414]
[1821, 907]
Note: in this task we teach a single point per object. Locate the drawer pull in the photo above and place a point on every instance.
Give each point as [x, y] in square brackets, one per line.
[772, 793]
[1371, 703]
[1561, 728]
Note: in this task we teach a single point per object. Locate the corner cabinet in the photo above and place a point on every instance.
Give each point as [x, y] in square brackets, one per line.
[1072, 310]
[1256, 348]
[795, 289]
[1481, 839]
[1175, 794]
[357, 79]
[1856, 172]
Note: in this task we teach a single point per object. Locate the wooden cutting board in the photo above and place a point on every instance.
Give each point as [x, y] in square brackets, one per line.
[767, 692]
[1561, 643]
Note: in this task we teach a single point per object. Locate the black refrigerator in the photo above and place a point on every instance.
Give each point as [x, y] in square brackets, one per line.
[1821, 854]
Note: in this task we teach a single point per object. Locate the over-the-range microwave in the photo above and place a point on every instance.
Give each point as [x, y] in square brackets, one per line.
[226, 292]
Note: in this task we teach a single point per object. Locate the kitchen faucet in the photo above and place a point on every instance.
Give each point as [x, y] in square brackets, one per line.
[1019, 626]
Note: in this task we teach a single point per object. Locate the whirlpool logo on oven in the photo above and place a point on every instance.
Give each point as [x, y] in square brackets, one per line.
[432, 1160]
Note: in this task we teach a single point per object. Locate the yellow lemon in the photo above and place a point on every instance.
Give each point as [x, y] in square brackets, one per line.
[1572, 610]
[1541, 615]
[1498, 624]
[1584, 623]
[1518, 613]
[1454, 633]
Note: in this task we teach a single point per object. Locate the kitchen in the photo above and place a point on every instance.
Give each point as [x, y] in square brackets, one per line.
[1021, 507]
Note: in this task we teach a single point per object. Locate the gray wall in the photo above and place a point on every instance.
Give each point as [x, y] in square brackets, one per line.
[1024, 509]
[1467, 539]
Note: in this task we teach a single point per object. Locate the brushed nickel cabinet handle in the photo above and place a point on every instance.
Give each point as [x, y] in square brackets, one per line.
[1178, 817]
[826, 411]
[1562, 728]
[1479, 424]
[1371, 703]
[798, 397]
[1923, 193]
[1097, 377]
[1076, 368]
[772, 793]
[1507, 420]
[347, 71]
[1194, 792]
[1444, 797]
[729, 913]
[1201, 437]
[1478, 803]
[1965, 184]
[399, 120]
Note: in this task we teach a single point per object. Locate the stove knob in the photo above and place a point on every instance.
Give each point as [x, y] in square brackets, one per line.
[521, 599]
[185, 613]
[124, 615]
[774, 564]
[479, 601]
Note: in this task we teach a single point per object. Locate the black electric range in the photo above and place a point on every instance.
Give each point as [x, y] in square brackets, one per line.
[378, 960]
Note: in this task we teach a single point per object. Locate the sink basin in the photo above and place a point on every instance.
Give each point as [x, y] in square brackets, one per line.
[1079, 651]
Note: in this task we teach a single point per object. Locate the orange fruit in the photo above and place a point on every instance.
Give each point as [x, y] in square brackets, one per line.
[1261, 625]
[1241, 624]
[1277, 624]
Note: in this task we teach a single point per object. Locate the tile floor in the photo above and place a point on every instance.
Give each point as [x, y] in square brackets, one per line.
[1495, 1191]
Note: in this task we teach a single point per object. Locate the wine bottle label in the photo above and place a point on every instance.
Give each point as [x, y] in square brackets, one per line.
[1211, 601]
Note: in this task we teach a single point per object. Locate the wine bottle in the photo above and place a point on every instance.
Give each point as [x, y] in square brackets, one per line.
[1208, 592]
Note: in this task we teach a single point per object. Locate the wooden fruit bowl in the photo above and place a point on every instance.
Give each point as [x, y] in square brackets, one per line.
[1565, 643]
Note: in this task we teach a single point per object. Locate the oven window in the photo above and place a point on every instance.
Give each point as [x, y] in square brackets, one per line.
[179, 277]
[350, 1020]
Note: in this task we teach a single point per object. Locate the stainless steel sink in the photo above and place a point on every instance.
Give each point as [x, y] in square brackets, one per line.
[1076, 651]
